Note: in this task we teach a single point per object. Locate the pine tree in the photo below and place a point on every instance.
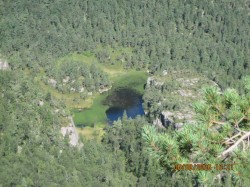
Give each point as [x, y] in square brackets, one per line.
[220, 136]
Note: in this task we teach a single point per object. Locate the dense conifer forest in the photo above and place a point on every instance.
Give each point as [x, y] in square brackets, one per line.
[58, 56]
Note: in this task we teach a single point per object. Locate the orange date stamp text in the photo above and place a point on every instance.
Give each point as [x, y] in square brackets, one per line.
[204, 167]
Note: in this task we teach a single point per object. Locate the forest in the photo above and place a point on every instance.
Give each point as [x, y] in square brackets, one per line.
[58, 57]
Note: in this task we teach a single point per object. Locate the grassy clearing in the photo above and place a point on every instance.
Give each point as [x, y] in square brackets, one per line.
[91, 132]
[71, 100]
[91, 116]
[89, 58]
[132, 79]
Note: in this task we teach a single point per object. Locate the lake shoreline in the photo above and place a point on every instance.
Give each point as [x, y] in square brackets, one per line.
[96, 114]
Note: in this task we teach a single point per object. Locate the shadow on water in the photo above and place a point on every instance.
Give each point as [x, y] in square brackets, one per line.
[123, 99]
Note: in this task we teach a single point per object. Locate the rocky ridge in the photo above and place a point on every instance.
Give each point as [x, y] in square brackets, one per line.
[177, 90]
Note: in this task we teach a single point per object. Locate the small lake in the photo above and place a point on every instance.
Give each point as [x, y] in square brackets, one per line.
[107, 107]
[123, 99]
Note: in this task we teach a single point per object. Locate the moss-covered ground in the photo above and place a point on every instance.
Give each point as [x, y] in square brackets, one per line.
[91, 116]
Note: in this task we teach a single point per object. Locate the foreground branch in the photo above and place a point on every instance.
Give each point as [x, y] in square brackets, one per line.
[231, 139]
[230, 149]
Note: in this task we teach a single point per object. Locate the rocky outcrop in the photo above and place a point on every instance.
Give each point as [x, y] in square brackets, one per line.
[81, 89]
[172, 93]
[66, 79]
[52, 82]
[72, 132]
[157, 122]
[40, 103]
[165, 72]
[176, 119]
[167, 118]
[72, 89]
[186, 93]
[151, 81]
[105, 89]
[4, 65]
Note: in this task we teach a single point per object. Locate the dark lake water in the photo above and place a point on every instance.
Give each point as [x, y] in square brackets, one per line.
[121, 100]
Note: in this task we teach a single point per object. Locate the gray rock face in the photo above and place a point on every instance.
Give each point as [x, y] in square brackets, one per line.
[52, 82]
[178, 126]
[104, 89]
[150, 81]
[71, 131]
[186, 93]
[66, 79]
[167, 118]
[81, 89]
[174, 92]
[4, 65]
[165, 72]
[40, 103]
[157, 122]
[72, 89]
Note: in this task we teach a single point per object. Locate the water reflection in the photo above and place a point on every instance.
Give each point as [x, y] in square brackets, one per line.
[121, 100]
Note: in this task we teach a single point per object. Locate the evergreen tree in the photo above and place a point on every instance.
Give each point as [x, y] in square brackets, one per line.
[221, 136]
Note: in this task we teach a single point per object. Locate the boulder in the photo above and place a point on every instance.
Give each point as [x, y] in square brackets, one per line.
[52, 82]
[81, 89]
[175, 119]
[72, 132]
[4, 65]
[150, 81]
[178, 126]
[165, 72]
[157, 122]
[66, 79]
[153, 82]
[72, 89]
[167, 118]
[105, 89]
[40, 103]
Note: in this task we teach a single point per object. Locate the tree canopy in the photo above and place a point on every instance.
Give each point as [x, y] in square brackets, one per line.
[221, 135]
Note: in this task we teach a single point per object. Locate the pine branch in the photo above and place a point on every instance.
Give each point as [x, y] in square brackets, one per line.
[221, 113]
[154, 147]
[231, 139]
[218, 122]
[238, 122]
[230, 149]
[248, 141]
[238, 129]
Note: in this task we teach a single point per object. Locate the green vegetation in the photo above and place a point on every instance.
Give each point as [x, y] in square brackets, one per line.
[211, 38]
[92, 133]
[218, 137]
[31, 142]
[91, 116]
[173, 91]
[135, 80]
[95, 115]
[61, 54]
